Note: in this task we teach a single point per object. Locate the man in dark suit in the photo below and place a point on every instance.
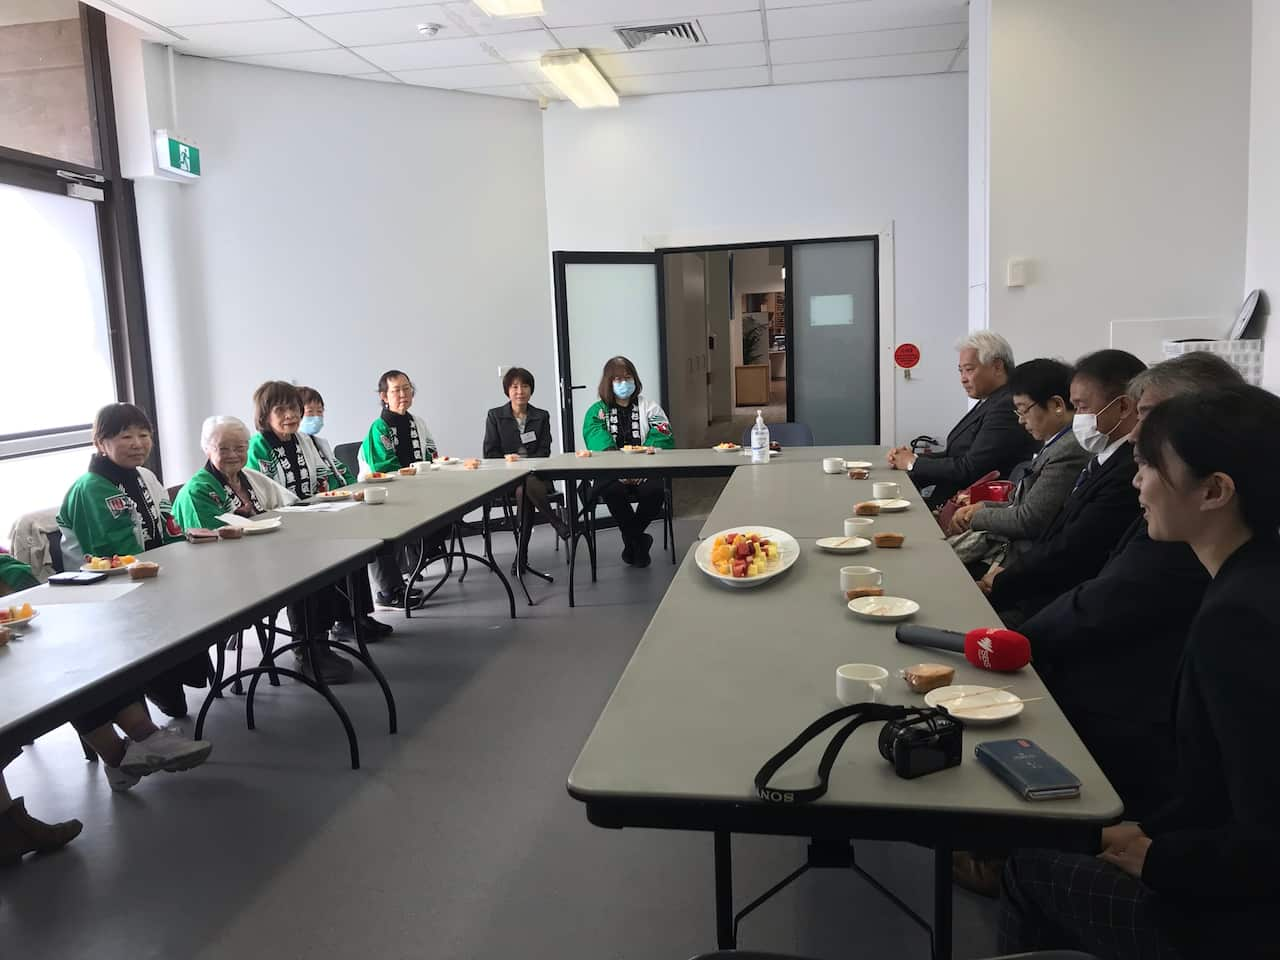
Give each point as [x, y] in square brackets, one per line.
[987, 438]
[1101, 507]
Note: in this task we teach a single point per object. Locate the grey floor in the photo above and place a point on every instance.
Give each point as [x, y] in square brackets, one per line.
[455, 840]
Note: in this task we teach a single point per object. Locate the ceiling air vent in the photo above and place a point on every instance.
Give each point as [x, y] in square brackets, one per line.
[686, 34]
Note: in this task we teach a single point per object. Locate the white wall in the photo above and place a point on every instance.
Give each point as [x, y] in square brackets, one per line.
[1118, 153]
[788, 162]
[343, 227]
[1262, 258]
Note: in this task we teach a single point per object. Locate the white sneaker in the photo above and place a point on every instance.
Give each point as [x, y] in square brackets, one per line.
[166, 749]
[119, 780]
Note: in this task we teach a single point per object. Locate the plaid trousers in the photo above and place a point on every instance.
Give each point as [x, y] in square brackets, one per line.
[1069, 901]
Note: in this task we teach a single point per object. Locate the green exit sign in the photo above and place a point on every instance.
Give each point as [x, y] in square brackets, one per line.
[177, 156]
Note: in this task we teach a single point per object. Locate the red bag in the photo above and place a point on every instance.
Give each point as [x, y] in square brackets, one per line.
[948, 509]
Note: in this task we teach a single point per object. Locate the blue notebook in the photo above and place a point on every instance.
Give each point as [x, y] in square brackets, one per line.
[1031, 772]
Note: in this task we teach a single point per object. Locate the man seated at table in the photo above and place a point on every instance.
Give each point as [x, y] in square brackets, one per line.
[1099, 509]
[987, 438]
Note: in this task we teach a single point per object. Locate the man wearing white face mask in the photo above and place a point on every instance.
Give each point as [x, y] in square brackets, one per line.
[1101, 506]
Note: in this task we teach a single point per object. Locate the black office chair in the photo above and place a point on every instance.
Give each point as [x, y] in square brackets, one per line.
[785, 434]
[589, 502]
[349, 455]
[756, 955]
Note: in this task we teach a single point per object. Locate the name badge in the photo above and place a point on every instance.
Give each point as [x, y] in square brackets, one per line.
[528, 436]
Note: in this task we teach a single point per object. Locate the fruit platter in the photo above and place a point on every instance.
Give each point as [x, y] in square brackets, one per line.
[18, 615]
[108, 565]
[747, 556]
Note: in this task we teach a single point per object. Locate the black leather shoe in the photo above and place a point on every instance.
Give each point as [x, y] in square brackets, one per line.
[643, 543]
[374, 628]
[334, 670]
[396, 600]
[628, 551]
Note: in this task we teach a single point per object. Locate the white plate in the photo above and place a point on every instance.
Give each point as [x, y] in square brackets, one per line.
[85, 568]
[788, 554]
[447, 461]
[334, 496]
[644, 450]
[23, 622]
[858, 465]
[254, 527]
[734, 449]
[385, 478]
[892, 506]
[843, 544]
[887, 609]
[975, 704]
[746, 452]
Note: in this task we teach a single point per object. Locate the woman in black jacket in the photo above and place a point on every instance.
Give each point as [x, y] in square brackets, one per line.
[519, 428]
[1197, 878]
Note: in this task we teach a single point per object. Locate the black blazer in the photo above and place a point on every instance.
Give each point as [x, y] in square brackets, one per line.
[1215, 847]
[987, 438]
[1077, 543]
[502, 433]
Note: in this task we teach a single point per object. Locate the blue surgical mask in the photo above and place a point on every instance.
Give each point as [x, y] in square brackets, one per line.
[623, 389]
[311, 425]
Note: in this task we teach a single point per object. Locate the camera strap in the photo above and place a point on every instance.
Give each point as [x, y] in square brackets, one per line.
[857, 714]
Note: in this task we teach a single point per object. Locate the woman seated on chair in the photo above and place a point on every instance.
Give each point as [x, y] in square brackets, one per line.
[311, 424]
[226, 485]
[296, 461]
[624, 417]
[396, 439]
[118, 508]
[518, 427]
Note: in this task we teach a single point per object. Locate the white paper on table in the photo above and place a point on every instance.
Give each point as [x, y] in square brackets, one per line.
[319, 507]
[113, 588]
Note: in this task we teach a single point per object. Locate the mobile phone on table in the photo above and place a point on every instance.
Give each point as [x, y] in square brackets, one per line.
[76, 578]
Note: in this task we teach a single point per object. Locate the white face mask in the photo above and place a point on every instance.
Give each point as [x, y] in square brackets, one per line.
[1085, 427]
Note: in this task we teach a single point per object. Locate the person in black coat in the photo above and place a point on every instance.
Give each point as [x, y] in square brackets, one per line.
[1198, 877]
[521, 429]
[1101, 507]
[988, 437]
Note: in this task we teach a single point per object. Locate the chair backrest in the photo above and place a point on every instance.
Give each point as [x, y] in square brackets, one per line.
[785, 434]
[55, 550]
[349, 454]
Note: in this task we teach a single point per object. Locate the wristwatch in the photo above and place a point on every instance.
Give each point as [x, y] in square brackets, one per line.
[912, 465]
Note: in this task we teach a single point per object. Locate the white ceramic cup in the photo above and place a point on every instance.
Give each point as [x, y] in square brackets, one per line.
[860, 683]
[375, 495]
[833, 465]
[884, 490]
[422, 465]
[857, 526]
[851, 577]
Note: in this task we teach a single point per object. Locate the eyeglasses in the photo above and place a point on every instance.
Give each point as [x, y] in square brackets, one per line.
[233, 451]
[400, 391]
[1022, 411]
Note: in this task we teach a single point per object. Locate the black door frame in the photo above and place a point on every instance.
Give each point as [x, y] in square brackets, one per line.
[561, 258]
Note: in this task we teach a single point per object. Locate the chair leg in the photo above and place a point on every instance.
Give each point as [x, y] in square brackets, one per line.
[89, 753]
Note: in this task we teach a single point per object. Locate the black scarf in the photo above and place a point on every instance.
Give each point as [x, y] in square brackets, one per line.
[635, 424]
[237, 505]
[135, 488]
[297, 475]
[404, 433]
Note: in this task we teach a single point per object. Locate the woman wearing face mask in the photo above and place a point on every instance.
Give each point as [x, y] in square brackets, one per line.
[312, 423]
[1197, 878]
[622, 417]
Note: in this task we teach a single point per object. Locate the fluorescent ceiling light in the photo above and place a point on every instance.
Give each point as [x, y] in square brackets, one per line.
[511, 8]
[577, 78]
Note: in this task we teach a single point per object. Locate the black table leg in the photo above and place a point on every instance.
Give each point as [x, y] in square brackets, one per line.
[361, 650]
[571, 498]
[942, 903]
[725, 937]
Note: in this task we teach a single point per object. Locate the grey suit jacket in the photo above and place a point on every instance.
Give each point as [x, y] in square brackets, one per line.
[1044, 489]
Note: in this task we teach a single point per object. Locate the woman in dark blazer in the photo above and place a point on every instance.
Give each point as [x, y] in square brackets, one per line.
[1198, 877]
[521, 429]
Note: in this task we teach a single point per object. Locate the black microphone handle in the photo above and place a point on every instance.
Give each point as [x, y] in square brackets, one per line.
[930, 637]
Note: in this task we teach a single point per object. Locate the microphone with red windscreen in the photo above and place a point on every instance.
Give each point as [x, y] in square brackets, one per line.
[991, 648]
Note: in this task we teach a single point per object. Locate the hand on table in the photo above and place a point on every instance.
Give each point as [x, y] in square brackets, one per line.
[962, 519]
[1125, 846]
[900, 458]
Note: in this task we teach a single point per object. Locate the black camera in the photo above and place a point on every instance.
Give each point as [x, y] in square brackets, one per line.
[925, 743]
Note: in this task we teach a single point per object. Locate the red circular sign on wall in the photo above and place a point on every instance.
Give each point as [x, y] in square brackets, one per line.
[907, 355]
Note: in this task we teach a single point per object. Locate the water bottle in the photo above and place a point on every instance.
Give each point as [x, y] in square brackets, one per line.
[759, 440]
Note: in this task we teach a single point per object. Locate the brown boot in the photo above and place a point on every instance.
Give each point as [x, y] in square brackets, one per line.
[976, 873]
[21, 833]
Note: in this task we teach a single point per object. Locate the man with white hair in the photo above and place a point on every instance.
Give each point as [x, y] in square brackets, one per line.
[987, 438]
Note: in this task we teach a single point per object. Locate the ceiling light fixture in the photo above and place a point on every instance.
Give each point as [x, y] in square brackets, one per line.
[511, 8]
[577, 78]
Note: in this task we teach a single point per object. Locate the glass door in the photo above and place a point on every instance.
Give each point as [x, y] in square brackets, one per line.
[606, 304]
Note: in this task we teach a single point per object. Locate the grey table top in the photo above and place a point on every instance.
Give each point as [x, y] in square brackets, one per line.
[75, 651]
[703, 461]
[724, 678]
[796, 496]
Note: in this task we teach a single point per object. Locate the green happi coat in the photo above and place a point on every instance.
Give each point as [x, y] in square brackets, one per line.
[101, 518]
[205, 497]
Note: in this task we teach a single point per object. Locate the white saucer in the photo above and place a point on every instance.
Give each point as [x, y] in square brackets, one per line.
[892, 506]
[858, 465]
[886, 609]
[975, 704]
[843, 544]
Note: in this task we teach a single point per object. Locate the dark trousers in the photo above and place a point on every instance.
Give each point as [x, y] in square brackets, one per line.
[321, 609]
[1139, 759]
[193, 672]
[1070, 901]
[648, 497]
[386, 569]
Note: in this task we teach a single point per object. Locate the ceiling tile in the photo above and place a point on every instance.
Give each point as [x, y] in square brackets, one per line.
[876, 43]
[642, 62]
[342, 62]
[725, 28]
[914, 63]
[525, 45]
[483, 75]
[519, 91]
[427, 54]
[819, 21]
[246, 39]
[578, 13]
[174, 13]
[779, 4]
[384, 26]
[694, 80]
[310, 8]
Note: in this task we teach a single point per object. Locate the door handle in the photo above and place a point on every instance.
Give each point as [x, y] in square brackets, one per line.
[579, 386]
